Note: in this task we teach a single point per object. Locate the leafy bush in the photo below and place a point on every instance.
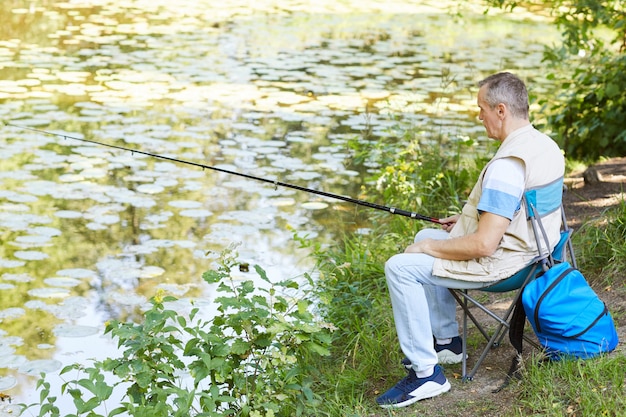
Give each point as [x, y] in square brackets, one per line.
[588, 117]
[588, 113]
[430, 178]
[254, 359]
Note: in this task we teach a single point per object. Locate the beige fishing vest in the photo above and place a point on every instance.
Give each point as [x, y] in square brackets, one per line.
[544, 164]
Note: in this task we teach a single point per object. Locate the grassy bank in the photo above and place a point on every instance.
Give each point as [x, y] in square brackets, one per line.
[365, 353]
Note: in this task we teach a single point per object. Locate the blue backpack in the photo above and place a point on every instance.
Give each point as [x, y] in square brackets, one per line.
[567, 316]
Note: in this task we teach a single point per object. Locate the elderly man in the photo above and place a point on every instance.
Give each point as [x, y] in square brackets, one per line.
[489, 241]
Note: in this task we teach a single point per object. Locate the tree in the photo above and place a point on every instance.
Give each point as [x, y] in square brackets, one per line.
[588, 117]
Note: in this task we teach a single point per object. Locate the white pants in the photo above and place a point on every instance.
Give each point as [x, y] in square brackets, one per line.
[422, 305]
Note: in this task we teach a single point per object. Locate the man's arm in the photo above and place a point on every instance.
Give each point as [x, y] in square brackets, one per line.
[483, 242]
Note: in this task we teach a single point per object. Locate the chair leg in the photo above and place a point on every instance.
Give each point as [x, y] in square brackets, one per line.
[464, 340]
[462, 297]
[467, 313]
[479, 361]
[463, 302]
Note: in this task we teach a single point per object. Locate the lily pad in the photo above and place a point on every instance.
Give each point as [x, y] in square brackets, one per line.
[151, 272]
[62, 282]
[39, 366]
[49, 292]
[10, 410]
[11, 313]
[174, 289]
[315, 205]
[126, 299]
[68, 330]
[7, 382]
[30, 255]
[33, 240]
[45, 231]
[150, 188]
[17, 277]
[96, 226]
[196, 213]
[12, 361]
[8, 263]
[282, 202]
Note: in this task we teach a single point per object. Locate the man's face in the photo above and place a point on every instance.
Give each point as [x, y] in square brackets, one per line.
[490, 117]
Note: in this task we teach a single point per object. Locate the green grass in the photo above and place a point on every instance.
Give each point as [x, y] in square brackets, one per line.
[365, 354]
[600, 248]
[593, 387]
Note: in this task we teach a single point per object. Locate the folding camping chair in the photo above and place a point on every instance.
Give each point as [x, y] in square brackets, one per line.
[539, 203]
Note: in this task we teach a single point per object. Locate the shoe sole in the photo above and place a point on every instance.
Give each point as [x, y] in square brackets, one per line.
[448, 357]
[428, 390]
[444, 357]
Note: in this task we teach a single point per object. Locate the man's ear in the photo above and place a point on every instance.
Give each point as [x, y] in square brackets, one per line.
[501, 109]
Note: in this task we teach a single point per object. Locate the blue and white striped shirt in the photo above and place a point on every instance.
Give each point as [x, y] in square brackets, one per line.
[503, 186]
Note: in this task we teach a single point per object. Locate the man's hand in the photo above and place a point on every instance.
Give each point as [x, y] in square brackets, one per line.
[448, 223]
[418, 247]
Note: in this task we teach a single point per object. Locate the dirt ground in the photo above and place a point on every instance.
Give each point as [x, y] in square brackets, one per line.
[589, 194]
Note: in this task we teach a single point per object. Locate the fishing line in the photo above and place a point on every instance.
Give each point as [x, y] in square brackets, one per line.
[275, 183]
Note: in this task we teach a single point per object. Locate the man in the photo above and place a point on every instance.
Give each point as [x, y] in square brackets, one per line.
[489, 241]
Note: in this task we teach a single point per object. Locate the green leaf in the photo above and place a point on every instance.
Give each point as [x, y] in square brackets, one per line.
[212, 277]
[240, 347]
[247, 287]
[303, 306]
[612, 90]
[262, 273]
[263, 340]
[117, 411]
[316, 348]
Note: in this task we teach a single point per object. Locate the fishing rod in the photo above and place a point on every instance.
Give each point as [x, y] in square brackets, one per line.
[276, 184]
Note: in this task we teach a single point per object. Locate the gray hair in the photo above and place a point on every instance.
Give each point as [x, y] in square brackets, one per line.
[508, 89]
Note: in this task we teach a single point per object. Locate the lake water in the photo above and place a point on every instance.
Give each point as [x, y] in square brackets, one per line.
[268, 88]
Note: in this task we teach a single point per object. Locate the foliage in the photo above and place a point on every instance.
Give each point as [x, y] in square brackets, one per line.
[600, 245]
[430, 178]
[253, 359]
[352, 293]
[588, 117]
[593, 387]
[588, 114]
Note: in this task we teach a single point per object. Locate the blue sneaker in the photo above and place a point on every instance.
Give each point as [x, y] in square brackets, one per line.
[446, 354]
[412, 389]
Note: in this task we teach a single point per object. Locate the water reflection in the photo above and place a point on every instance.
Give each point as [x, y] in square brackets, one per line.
[275, 90]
